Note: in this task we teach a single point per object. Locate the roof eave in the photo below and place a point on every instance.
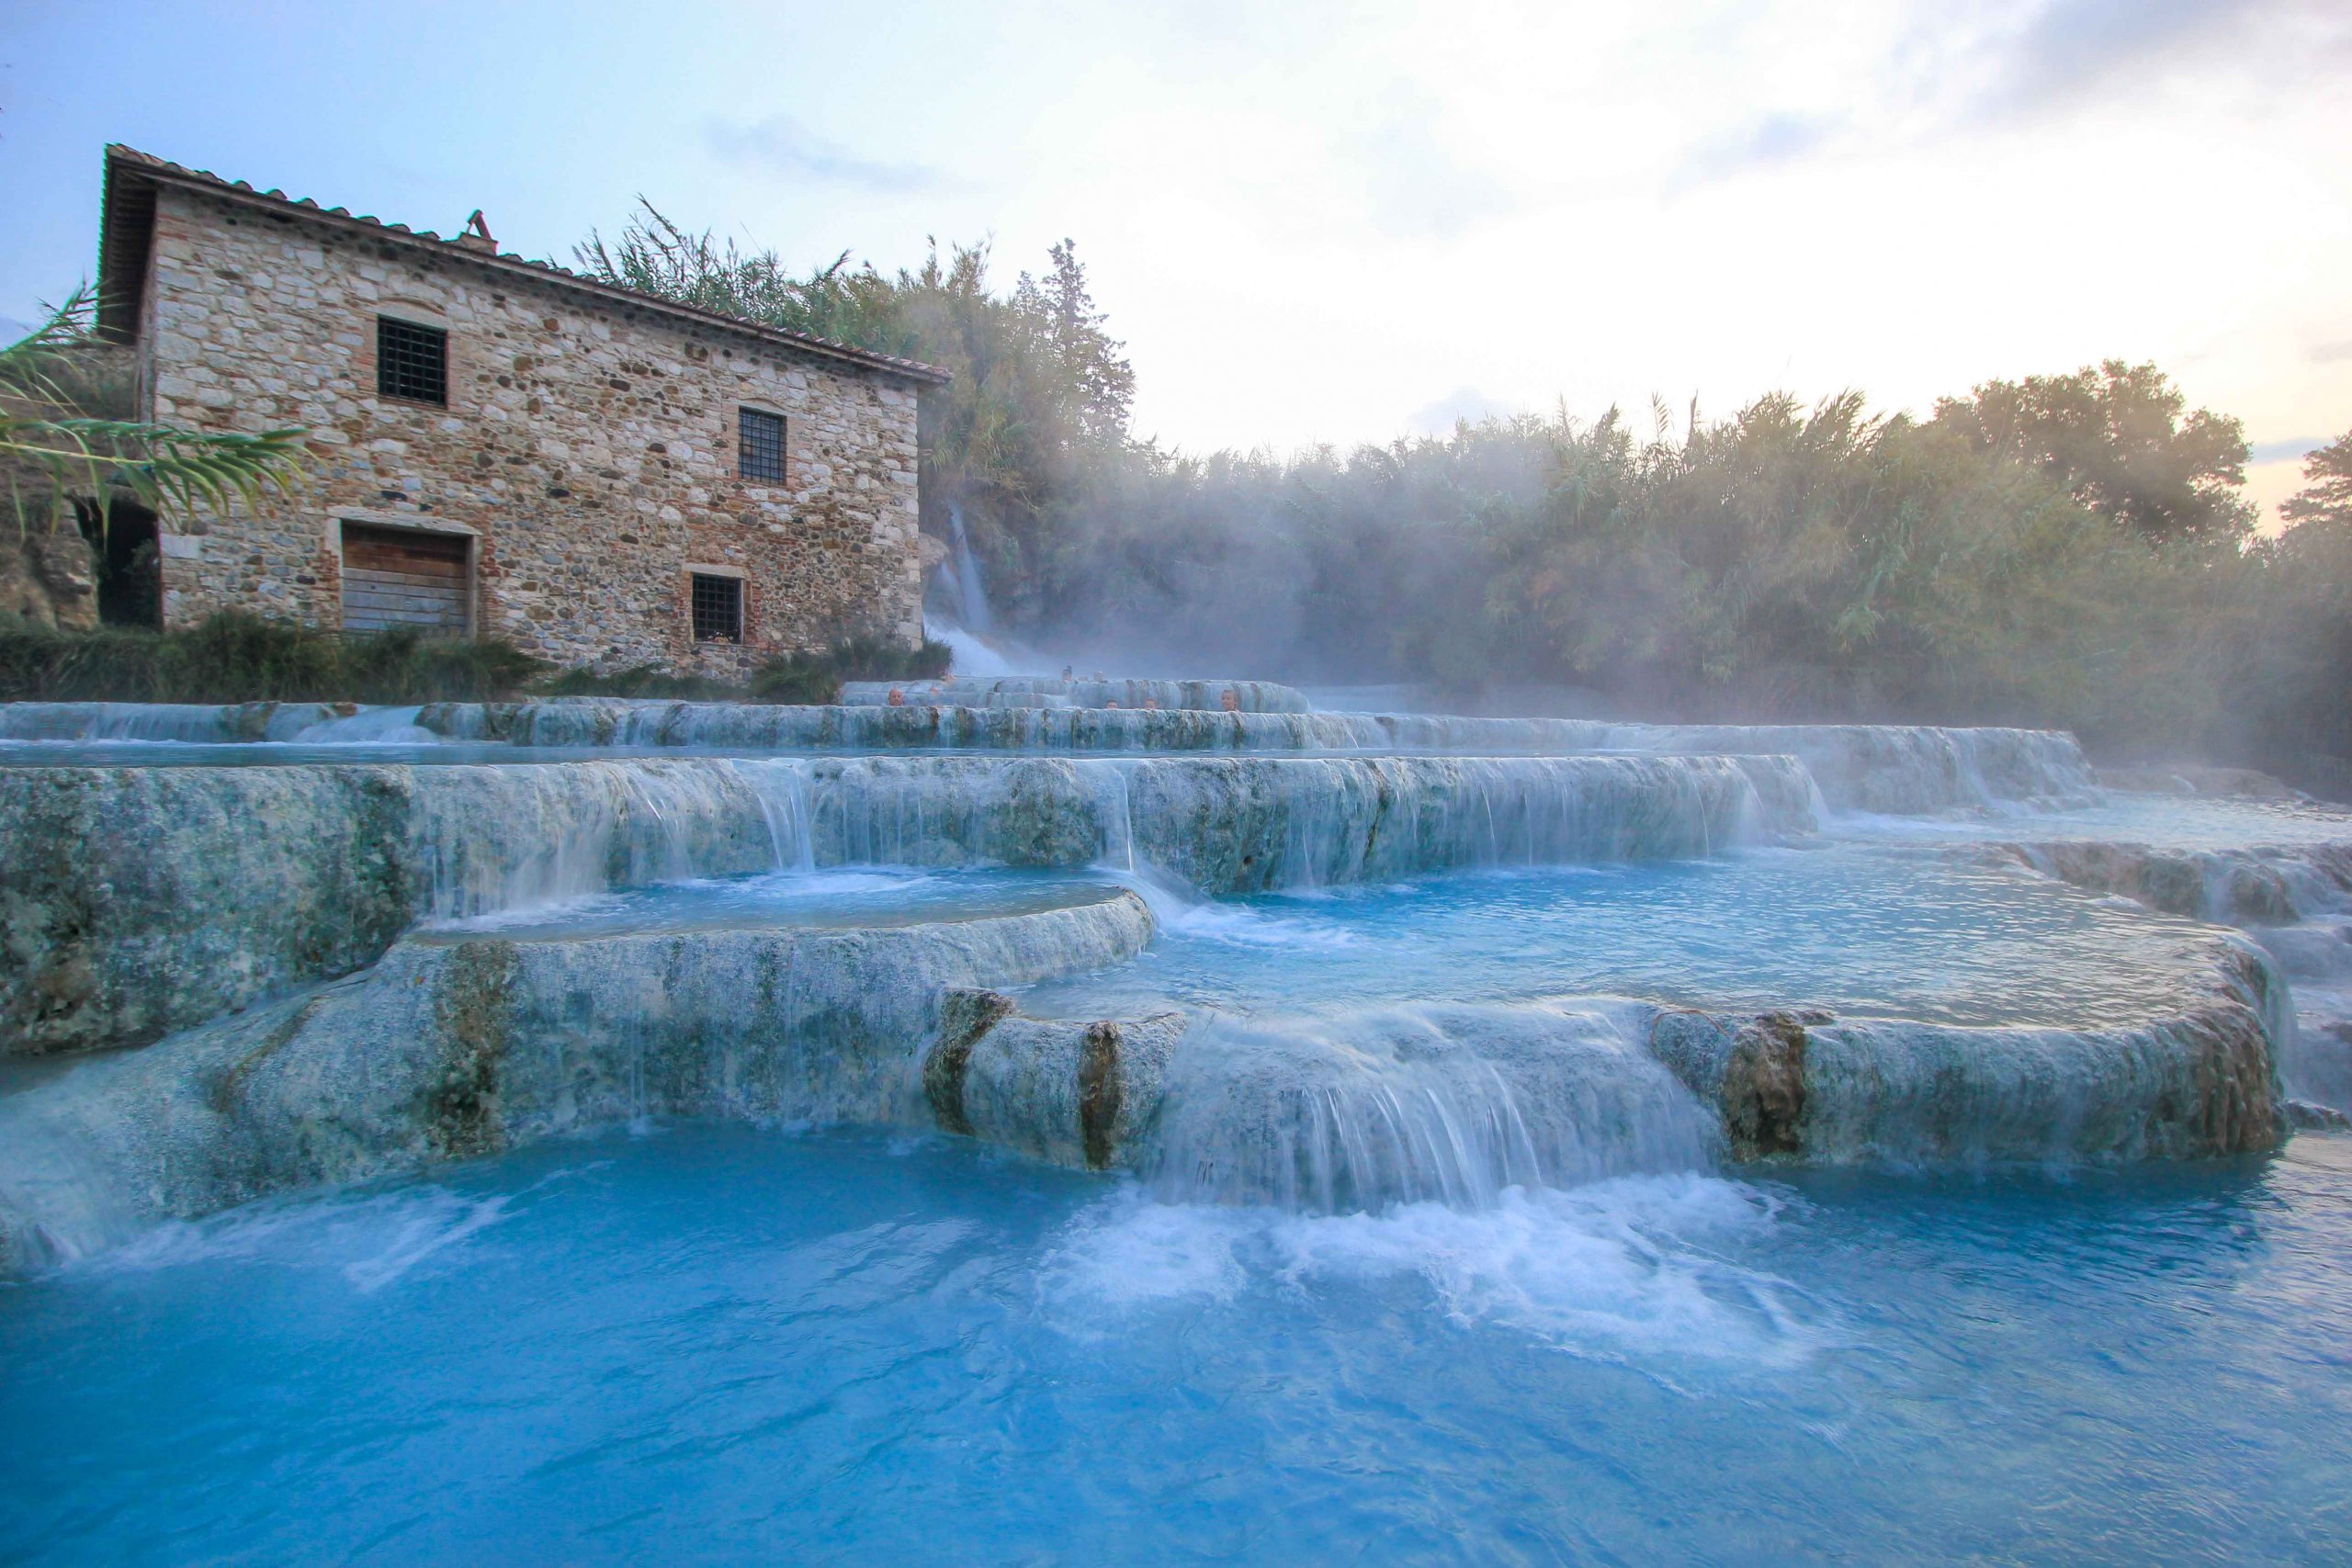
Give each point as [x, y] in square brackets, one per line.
[146, 166]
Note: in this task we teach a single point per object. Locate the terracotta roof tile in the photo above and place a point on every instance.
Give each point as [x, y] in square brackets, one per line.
[147, 164]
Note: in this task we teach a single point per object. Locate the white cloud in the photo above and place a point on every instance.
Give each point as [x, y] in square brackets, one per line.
[1778, 138]
[1417, 182]
[779, 144]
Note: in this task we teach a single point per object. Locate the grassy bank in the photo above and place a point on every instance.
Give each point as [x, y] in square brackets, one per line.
[793, 678]
[237, 658]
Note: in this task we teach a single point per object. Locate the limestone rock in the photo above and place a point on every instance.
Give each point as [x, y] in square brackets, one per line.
[48, 577]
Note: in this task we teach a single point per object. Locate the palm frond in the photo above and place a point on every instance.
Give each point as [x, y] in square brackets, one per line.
[166, 467]
[30, 366]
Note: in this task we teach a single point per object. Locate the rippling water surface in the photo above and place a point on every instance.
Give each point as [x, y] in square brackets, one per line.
[1858, 926]
[1931, 934]
[2177, 822]
[724, 1343]
[864, 897]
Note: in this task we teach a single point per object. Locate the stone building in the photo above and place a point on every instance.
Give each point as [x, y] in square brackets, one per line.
[500, 447]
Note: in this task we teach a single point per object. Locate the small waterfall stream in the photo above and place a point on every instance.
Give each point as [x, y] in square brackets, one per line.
[503, 838]
[1884, 770]
[971, 592]
[1357, 1111]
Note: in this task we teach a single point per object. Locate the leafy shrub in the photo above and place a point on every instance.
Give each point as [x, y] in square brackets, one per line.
[818, 677]
[38, 664]
[405, 667]
[637, 681]
[235, 657]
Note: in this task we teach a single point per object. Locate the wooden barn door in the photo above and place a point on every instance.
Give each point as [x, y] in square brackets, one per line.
[405, 577]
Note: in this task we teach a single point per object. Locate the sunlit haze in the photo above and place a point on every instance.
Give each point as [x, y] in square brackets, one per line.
[1517, 783]
[1325, 223]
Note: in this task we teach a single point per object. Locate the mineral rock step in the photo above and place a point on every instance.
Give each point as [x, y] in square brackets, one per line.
[464, 1047]
[140, 901]
[1881, 768]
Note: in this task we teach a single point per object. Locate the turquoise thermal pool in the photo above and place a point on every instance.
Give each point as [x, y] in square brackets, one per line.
[581, 1131]
[1858, 928]
[745, 1344]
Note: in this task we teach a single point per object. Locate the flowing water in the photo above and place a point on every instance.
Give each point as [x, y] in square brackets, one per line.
[851, 897]
[718, 1343]
[1855, 928]
[1421, 1111]
[2161, 821]
[971, 592]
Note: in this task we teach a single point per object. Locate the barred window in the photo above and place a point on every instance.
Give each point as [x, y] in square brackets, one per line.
[412, 362]
[763, 452]
[717, 608]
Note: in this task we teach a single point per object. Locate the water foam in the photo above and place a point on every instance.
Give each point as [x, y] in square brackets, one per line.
[1330, 1112]
[1629, 1266]
[369, 1240]
[370, 727]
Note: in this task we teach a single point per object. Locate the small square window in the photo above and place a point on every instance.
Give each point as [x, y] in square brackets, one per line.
[717, 608]
[763, 453]
[412, 362]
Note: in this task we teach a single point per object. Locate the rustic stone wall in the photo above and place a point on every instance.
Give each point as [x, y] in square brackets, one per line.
[47, 574]
[589, 447]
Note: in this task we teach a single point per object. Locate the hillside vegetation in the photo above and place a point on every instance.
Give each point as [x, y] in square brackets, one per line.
[2073, 550]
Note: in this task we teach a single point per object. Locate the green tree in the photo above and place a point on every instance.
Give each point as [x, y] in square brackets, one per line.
[2115, 435]
[2326, 495]
[1091, 368]
[2297, 661]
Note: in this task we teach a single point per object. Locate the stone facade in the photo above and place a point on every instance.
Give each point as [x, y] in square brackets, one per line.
[588, 447]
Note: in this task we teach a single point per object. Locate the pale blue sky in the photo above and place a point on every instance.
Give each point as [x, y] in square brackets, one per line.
[1341, 222]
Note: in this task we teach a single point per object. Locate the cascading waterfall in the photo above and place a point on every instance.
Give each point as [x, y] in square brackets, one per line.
[173, 912]
[383, 726]
[784, 800]
[195, 723]
[971, 634]
[971, 593]
[491, 839]
[513, 837]
[976, 652]
[969, 653]
[1447, 1105]
[358, 850]
[1117, 810]
[1355, 1108]
[1894, 770]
